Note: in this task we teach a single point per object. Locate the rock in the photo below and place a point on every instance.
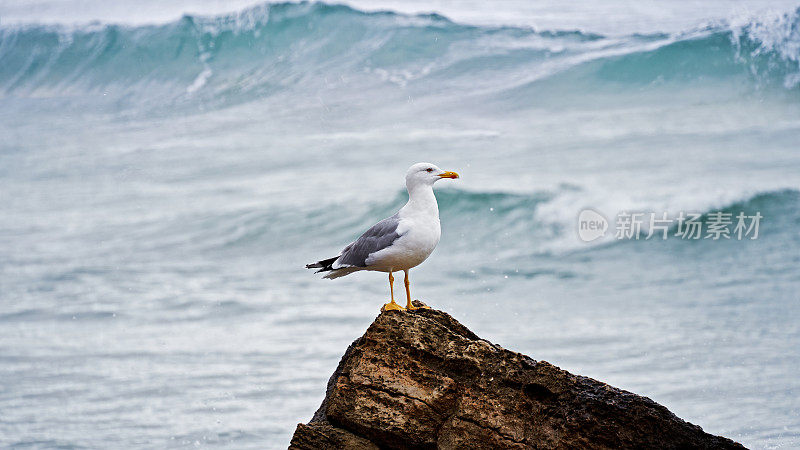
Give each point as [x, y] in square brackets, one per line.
[420, 379]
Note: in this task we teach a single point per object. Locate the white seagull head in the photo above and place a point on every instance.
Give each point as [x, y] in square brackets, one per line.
[426, 174]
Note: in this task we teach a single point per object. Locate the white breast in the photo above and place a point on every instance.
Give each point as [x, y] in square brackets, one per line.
[419, 232]
[419, 235]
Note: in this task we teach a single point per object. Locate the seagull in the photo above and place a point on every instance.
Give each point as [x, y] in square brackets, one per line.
[399, 242]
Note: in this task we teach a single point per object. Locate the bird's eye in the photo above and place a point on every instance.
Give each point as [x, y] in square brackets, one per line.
[429, 169]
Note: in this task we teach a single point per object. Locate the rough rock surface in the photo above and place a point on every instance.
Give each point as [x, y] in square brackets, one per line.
[422, 380]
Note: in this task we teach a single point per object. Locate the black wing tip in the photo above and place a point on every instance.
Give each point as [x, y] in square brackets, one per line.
[324, 266]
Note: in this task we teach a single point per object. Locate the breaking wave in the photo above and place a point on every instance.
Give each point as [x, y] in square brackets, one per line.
[274, 48]
[502, 222]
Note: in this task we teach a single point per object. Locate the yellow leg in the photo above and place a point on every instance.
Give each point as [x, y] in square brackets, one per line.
[391, 305]
[409, 306]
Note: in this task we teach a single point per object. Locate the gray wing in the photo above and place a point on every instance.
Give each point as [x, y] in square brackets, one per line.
[380, 236]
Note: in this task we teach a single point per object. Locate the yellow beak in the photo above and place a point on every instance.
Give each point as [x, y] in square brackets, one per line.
[448, 175]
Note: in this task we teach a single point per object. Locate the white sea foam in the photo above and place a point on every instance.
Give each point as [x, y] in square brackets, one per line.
[200, 81]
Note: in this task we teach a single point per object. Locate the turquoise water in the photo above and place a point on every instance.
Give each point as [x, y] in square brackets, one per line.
[163, 185]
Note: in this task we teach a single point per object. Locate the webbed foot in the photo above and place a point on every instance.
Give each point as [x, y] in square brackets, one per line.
[411, 307]
[392, 306]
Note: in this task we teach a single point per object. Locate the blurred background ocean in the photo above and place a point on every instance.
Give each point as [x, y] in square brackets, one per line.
[167, 170]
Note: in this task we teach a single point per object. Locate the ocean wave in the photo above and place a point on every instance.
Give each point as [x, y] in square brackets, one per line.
[546, 221]
[506, 224]
[274, 48]
[503, 204]
[786, 200]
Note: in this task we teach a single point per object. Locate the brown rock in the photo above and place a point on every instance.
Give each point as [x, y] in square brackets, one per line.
[422, 380]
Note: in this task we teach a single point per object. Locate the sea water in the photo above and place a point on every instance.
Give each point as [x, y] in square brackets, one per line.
[166, 173]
